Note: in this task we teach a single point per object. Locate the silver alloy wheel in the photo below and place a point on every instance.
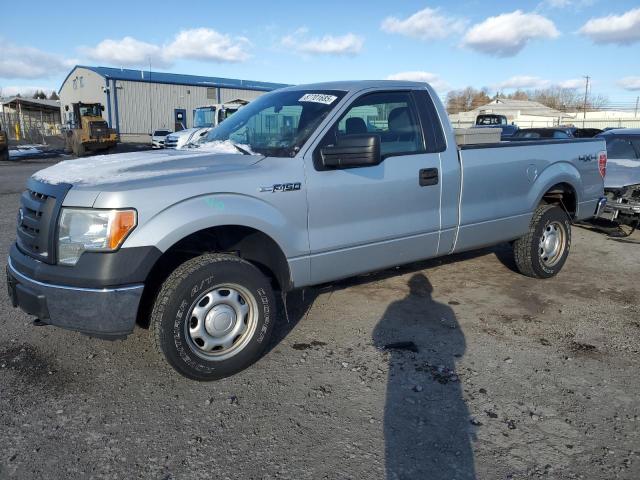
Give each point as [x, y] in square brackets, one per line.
[221, 322]
[552, 244]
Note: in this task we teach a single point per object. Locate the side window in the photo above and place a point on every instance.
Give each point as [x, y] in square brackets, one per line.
[620, 148]
[392, 115]
[559, 134]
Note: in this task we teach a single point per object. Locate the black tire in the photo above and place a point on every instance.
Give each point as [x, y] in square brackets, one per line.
[530, 255]
[172, 319]
[78, 148]
[4, 155]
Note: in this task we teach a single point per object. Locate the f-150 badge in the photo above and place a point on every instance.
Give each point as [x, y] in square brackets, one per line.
[281, 187]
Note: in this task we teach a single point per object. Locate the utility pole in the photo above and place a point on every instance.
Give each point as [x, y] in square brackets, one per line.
[586, 96]
[637, 102]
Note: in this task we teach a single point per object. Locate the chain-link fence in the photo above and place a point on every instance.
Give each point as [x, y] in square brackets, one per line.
[38, 128]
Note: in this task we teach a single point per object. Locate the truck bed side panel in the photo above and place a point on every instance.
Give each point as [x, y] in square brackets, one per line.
[504, 183]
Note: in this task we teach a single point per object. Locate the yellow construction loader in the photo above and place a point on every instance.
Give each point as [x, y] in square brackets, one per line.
[88, 131]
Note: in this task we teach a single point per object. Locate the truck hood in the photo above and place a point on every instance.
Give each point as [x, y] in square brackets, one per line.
[122, 170]
[622, 173]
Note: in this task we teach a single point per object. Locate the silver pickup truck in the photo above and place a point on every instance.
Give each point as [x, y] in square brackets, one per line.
[304, 186]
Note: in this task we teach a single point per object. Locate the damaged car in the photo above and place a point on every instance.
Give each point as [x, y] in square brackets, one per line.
[622, 180]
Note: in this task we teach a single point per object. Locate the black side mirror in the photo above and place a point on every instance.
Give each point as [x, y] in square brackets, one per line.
[358, 150]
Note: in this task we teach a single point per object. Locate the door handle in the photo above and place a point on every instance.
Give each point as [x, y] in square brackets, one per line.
[428, 176]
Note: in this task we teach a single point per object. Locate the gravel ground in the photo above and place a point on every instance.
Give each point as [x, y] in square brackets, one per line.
[511, 378]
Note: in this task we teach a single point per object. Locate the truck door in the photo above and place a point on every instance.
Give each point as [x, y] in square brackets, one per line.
[366, 218]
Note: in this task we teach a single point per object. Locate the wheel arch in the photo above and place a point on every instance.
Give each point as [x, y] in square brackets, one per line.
[559, 184]
[246, 242]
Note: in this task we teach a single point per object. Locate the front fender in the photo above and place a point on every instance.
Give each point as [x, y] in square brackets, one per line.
[559, 172]
[212, 210]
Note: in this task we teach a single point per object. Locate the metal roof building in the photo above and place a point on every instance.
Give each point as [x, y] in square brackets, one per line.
[136, 102]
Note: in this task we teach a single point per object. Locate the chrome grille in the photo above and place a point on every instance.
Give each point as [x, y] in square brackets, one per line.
[37, 217]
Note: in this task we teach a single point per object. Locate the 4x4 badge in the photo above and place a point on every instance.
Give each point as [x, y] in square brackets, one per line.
[281, 187]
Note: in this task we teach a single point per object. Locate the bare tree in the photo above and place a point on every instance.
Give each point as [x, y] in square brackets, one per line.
[466, 99]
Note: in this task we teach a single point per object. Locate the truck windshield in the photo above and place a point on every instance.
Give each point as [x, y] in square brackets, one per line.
[225, 113]
[204, 117]
[90, 110]
[277, 124]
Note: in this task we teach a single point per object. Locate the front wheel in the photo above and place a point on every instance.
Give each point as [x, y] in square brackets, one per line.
[213, 316]
[543, 251]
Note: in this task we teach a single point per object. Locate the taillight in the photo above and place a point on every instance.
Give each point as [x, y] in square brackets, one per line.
[602, 163]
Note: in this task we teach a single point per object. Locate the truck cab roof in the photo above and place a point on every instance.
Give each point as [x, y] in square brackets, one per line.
[357, 85]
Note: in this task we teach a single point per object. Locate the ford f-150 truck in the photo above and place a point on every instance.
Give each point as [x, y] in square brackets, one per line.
[303, 186]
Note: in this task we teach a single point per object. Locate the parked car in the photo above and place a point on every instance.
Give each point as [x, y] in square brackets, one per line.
[158, 137]
[542, 134]
[585, 132]
[622, 182]
[491, 120]
[305, 185]
[204, 119]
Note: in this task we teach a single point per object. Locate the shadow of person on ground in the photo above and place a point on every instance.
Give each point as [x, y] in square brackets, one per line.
[427, 426]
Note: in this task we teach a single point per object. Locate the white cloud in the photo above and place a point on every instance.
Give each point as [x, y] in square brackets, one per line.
[567, 3]
[24, 90]
[507, 34]
[348, 44]
[522, 81]
[127, 52]
[199, 44]
[572, 83]
[427, 24]
[620, 29]
[630, 83]
[419, 76]
[208, 45]
[28, 62]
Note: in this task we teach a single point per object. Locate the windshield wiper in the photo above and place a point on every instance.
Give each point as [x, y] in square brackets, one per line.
[244, 151]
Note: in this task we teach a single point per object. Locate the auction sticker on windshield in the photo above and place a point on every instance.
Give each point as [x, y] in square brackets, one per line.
[318, 98]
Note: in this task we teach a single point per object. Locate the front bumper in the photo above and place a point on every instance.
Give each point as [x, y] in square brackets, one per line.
[100, 312]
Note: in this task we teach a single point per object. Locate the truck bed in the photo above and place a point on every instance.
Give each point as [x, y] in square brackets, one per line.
[502, 182]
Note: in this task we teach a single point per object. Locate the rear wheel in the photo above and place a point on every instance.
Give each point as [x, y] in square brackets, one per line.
[4, 155]
[543, 251]
[213, 316]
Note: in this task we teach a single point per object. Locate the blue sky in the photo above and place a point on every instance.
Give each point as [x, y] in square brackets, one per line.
[496, 44]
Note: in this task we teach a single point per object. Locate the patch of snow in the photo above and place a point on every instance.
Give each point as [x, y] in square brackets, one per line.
[223, 146]
[107, 168]
[24, 151]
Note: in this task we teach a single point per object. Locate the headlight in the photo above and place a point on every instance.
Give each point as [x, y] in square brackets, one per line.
[83, 230]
